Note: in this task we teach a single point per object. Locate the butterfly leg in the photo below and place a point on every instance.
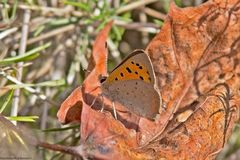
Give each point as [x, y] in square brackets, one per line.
[114, 110]
[102, 109]
[93, 102]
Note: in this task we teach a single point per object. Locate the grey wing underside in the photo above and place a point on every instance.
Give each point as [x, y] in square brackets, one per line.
[138, 96]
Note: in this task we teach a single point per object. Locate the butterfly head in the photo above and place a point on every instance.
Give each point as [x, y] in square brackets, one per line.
[102, 78]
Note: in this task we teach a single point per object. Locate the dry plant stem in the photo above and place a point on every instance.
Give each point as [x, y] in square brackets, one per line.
[70, 10]
[11, 40]
[44, 118]
[114, 51]
[143, 27]
[80, 57]
[55, 11]
[143, 19]
[7, 32]
[134, 5]
[22, 49]
[154, 13]
[3, 50]
[134, 25]
[49, 34]
[61, 148]
[16, 81]
[116, 3]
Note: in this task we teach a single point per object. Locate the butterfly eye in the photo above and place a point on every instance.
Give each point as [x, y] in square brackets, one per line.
[102, 78]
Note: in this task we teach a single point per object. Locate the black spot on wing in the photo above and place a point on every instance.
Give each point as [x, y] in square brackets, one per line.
[141, 77]
[121, 74]
[129, 70]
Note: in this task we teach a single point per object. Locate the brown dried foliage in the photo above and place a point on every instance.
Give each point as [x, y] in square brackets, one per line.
[196, 60]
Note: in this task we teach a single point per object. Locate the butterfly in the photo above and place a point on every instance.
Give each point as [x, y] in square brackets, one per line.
[133, 84]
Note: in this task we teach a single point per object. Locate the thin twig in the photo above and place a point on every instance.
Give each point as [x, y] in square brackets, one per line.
[135, 25]
[44, 117]
[49, 34]
[154, 13]
[22, 49]
[7, 32]
[55, 11]
[145, 27]
[29, 89]
[143, 19]
[134, 5]
[114, 51]
[16, 81]
[3, 50]
[61, 148]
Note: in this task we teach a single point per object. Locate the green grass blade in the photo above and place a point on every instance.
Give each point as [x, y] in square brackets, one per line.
[30, 55]
[23, 118]
[61, 129]
[9, 97]
[14, 10]
[20, 58]
[52, 83]
[39, 30]
[63, 21]
[81, 5]
[158, 22]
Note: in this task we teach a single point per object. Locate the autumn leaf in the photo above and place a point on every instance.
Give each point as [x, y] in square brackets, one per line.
[190, 66]
[196, 61]
[71, 108]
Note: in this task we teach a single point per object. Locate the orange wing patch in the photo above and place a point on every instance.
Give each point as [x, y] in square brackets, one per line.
[130, 70]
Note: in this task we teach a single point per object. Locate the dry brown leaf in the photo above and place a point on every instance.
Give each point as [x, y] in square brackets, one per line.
[196, 60]
[196, 49]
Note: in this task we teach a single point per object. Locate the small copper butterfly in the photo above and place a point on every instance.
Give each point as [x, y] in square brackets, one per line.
[133, 84]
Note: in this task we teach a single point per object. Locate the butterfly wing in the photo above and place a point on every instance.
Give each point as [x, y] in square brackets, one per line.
[132, 83]
[136, 66]
[139, 97]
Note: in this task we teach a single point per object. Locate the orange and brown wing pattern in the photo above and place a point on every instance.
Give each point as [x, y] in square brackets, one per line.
[136, 66]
